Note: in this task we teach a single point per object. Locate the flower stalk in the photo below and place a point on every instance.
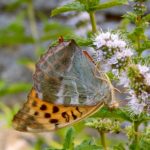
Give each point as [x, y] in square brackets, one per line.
[136, 138]
[103, 139]
[93, 21]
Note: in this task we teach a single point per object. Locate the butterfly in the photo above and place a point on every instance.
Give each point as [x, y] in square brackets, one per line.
[65, 90]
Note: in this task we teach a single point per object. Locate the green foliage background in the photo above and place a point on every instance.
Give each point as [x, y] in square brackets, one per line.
[15, 35]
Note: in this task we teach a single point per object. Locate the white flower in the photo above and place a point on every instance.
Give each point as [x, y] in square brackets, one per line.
[109, 43]
[144, 96]
[112, 60]
[106, 35]
[121, 44]
[115, 72]
[143, 69]
[128, 52]
[119, 55]
[99, 42]
[115, 44]
[136, 107]
[106, 67]
[147, 78]
[124, 80]
[99, 55]
[114, 36]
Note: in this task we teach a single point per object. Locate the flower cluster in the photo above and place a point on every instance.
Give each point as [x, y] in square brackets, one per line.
[112, 51]
[145, 72]
[137, 81]
[105, 125]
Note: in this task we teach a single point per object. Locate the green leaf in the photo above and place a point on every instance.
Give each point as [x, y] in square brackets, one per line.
[81, 41]
[120, 146]
[131, 16]
[7, 113]
[88, 145]
[69, 138]
[14, 88]
[147, 17]
[54, 30]
[116, 113]
[84, 5]
[108, 4]
[145, 45]
[142, 60]
[74, 6]
[15, 33]
[2, 84]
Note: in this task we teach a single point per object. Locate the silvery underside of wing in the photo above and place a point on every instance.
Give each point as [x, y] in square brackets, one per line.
[65, 76]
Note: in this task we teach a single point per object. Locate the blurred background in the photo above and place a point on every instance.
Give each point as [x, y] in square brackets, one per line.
[26, 31]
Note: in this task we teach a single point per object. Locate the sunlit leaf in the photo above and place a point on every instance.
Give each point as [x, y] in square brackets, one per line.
[73, 6]
[69, 138]
[109, 4]
[15, 88]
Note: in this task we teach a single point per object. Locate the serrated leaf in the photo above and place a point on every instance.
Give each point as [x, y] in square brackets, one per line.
[108, 4]
[68, 142]
[74, 6]
[116, 113]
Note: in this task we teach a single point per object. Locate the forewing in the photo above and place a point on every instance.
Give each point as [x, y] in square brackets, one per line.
[65, 76]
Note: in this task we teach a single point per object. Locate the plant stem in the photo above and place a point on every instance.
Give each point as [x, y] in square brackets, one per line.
[136, 125]
[138, 36]
[103, 139]
[33, 26]
[93, 21]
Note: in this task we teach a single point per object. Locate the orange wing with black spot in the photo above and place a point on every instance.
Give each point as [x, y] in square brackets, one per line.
[38, 115]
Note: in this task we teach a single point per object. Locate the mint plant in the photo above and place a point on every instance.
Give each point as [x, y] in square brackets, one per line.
[120, 55]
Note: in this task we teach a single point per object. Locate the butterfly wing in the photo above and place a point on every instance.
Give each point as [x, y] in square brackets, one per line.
[65, 91]
[65, 76]
[38, 115]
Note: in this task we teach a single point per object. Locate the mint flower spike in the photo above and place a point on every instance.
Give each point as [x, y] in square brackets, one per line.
[145, 71]
[139, 89]
[113, 51]
[104, 124]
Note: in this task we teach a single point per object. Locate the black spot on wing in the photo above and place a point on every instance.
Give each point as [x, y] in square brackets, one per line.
[73, 115]
[47, 115]
[43, 107]
[55, 109]
[36, 113]
[54, 121]
[77, 108]
[66, 116]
